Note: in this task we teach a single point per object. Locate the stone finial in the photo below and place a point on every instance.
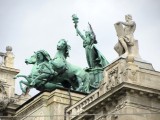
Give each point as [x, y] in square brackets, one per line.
[9, 59]
[8, 48]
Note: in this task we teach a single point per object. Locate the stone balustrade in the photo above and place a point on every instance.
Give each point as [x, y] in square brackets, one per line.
[77, 109]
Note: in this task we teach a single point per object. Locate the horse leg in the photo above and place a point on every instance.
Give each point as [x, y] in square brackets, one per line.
[24, 90]
[20, 76]
[38, 79]
[26, 77]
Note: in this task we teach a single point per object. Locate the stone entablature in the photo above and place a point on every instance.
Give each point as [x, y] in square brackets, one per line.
[120, 77]
[47, 105]
[112, 103]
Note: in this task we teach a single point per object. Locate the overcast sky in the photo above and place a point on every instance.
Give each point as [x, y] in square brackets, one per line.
[31, 25]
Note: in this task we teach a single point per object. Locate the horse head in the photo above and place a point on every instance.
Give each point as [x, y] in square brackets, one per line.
[40, 55]
[64, 47]
[31, 60]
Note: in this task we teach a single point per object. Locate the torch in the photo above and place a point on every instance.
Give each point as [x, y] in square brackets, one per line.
[75, 20]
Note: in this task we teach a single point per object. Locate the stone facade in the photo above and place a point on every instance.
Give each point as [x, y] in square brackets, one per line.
[9, 101]
[129, 91]
[48, 105]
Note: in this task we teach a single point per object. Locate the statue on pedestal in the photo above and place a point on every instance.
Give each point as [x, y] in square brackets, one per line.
[125, 31]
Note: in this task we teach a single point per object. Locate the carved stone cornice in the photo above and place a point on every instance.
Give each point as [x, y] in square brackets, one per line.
[117, 100]
[112, 99]
[9, 70]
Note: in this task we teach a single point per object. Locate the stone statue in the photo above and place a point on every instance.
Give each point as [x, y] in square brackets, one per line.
[94, 57]
[125, 35]
[48, 74]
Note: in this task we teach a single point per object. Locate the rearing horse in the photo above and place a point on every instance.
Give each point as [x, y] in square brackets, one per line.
[48, 74]
[37, 79]
[68, 71]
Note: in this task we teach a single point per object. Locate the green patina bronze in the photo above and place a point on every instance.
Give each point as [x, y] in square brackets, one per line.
[37, 79]
[94, 57]
[96, 61]
[48, 74]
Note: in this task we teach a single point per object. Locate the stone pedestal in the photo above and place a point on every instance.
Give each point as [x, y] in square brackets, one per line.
[129, 91]
[47, 105]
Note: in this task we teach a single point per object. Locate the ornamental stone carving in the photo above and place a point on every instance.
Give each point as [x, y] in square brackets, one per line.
[130, 72]
[4, 100]
[113, 78]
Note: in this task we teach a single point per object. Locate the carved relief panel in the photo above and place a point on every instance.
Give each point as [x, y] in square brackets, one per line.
[120, 72]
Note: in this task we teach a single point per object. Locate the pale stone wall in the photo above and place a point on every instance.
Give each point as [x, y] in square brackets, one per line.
[6, 76]
[128, 88]
[49, 105]
[7, 71]
[9, 101]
